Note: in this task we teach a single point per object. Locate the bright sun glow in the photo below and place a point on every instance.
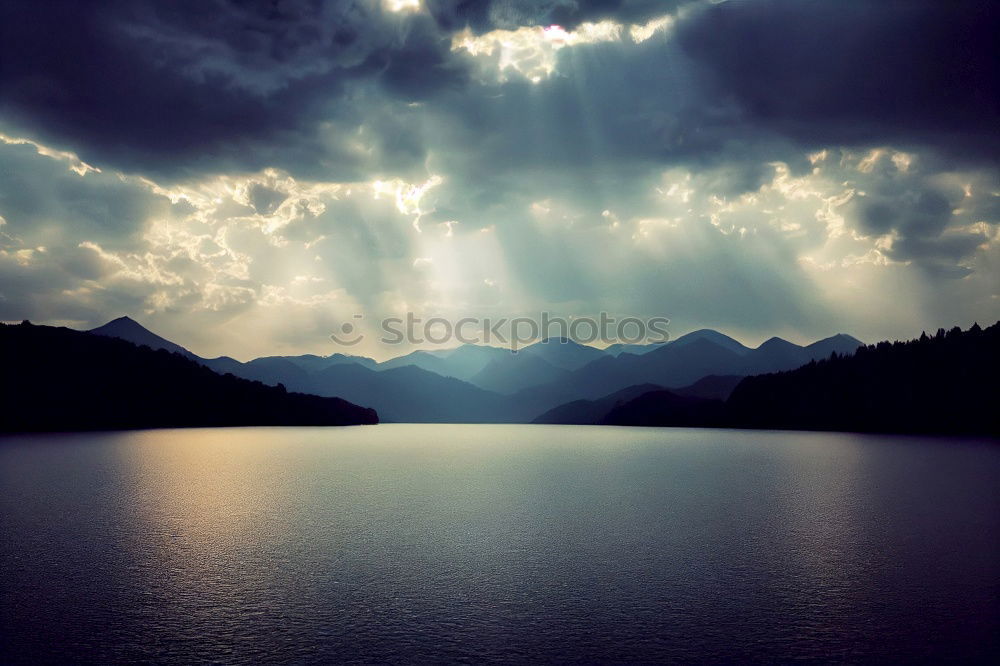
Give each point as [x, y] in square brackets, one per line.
[401, 5]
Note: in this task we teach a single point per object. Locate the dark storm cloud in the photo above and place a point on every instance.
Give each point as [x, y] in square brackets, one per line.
[421, 64]
[926, 216]
[939, 256]
[919, 214]
[209, 86]
[909, 72]
[740, 85]
[179, 88]
[736, 86]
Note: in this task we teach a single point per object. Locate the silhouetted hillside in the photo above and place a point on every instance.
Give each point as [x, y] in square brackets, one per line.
[665, 408]
[411, 394]
[945, 384]
[591, 412]
[273, 370]
[839, 344]
[315, 363]
[941, 384]
[59, 379]
[674, 364]
[713, 387]
[679, 363]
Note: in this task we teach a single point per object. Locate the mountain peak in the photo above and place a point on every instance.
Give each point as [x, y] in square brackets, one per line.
[560, 340]
[128, 329]
[120, 325]
[775, 341]
[123, 320]
[707, 334]
[841, 343]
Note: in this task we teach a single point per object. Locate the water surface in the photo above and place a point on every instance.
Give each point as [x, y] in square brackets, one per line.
[497, 543]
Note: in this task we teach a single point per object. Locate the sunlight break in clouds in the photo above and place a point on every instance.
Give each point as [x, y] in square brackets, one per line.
[76, 165]
[532, 52]
[401, 5]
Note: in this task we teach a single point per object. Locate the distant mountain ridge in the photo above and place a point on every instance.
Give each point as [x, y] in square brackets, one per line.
[720, 339]
[478, 383]
[704, 378]
[564, 353]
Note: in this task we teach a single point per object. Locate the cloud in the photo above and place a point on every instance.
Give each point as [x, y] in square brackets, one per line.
[488, 15]
[916, 213]
[326, 90]
[264, 199]
[209, 260]
[43, 195]
[912, 74]
[189, 87]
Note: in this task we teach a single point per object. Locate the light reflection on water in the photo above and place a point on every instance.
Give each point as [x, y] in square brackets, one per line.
[497, 542]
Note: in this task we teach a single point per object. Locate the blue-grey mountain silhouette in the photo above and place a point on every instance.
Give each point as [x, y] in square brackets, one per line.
[462, 362]
[636, 348]
[410, 394]
[517, 371]
[563, 353]
[708, 334]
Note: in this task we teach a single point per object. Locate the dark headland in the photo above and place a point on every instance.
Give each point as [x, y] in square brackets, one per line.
[61, 379]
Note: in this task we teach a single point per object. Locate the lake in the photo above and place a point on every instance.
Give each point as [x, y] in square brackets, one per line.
[489, 543]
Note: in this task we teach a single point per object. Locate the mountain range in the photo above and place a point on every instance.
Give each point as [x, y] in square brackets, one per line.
[945, 384]
[60, 379]
[478, 383]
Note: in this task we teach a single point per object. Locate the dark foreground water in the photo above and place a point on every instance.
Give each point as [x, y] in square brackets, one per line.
[487, 543]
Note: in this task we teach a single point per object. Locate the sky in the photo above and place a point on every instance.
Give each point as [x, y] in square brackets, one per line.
[243, 177]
